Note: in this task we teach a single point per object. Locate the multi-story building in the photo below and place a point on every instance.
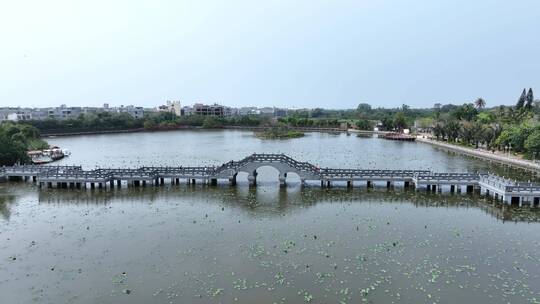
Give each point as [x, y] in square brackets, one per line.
[187, 110]
[15, 114]
[247, 111]
[135, 112]
[172, 106]
[280, 112]
[64, 112]
[266, 111]
[211, 110]
[175, 107]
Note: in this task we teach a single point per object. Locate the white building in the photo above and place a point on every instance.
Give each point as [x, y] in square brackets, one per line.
[175, 107]
[172, 106]
[15, 114]
[187, 110]
[133, 111]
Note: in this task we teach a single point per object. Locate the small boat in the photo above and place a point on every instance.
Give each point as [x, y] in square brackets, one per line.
[45, 156]
[399, 136]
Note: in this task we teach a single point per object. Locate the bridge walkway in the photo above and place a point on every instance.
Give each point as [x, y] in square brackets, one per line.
[500, 188]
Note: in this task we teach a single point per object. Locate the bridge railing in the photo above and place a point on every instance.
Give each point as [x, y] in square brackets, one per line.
[301, 166]
[38, 169]
[279, 158]
[523, 188]
[495, 181]
[369, 173]
[181, 170]
[448, 177]
[76, 175]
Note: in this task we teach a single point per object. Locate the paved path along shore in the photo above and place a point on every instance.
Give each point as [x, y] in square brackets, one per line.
[513, 161]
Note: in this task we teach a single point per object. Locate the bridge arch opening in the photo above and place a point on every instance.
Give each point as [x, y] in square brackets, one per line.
[267, 175]
[242, 178]
[293, 178]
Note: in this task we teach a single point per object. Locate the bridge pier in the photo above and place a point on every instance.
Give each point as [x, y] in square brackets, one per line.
[252, 179]
[161, 181]
[118, 183]
[452, 188]
[177, 181]
[193, 181]
[328, 184]
[232, 180]
[283, 180]
[213, 182]
[349, 184]
[111, 183]
[406, 184]
[369, 184]
[389, 184]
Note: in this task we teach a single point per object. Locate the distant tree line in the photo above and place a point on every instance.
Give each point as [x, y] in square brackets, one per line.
[106, 121]
[508, 128]
[514, 128]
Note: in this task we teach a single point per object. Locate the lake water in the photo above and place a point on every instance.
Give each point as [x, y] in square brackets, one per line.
[182, 244]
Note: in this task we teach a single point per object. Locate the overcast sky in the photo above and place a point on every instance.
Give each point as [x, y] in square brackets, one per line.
[332, 54]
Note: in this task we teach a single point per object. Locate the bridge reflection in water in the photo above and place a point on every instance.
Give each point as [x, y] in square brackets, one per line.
[274, 201]
[500, 188]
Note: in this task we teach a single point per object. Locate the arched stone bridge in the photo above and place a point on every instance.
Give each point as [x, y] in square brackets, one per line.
[282, 163]
[75, 177]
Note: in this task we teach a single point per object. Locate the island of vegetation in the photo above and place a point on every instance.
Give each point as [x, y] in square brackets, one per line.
[279, 132]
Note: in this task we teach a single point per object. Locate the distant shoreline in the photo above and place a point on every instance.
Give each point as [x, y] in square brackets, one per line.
[136, 130]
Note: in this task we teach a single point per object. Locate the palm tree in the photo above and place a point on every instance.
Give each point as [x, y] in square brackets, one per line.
[452, 128]
[438, 131]
[522, 99]
[480, 103]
